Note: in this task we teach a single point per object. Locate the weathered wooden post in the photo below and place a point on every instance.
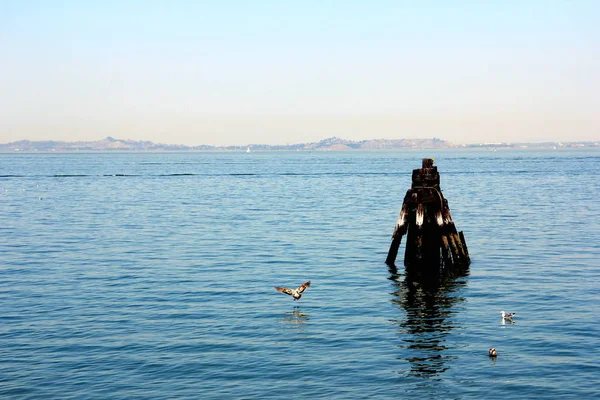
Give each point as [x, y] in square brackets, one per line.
[432, 240]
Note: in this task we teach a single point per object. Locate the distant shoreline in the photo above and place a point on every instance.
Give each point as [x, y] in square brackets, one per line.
[110, 144]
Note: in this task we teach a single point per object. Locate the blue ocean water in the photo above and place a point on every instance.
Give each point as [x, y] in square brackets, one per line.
[150, 275]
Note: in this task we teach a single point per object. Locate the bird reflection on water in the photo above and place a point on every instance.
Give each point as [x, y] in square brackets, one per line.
[429, 303]
[295, 318]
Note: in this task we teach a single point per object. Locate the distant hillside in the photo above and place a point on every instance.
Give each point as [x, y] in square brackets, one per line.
[100, 145]
[330, 144]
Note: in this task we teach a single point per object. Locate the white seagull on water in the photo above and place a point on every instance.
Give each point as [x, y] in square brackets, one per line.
[295, 293]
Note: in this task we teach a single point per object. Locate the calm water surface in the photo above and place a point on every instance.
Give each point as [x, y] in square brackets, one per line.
[144, 276]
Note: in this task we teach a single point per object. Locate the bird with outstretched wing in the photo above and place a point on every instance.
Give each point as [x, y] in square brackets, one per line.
[295, 293]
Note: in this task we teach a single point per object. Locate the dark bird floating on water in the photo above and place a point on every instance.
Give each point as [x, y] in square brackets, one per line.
[297, 293]
[493, 352]
[507, 316]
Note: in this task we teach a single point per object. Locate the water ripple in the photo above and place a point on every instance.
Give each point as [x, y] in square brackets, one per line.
[151, 276]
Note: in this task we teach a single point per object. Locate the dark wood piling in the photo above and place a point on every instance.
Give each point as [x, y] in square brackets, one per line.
[432, 240]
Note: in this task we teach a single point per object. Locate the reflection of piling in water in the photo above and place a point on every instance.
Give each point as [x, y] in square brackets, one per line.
[429, 303]
[432, 241]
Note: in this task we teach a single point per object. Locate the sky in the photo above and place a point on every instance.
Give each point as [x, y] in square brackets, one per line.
[279, 72]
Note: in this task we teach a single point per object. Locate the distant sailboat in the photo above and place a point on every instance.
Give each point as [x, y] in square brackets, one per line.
[248, 150]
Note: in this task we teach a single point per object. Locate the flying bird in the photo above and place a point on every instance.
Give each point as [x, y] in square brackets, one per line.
[507, 316]
[295, 293]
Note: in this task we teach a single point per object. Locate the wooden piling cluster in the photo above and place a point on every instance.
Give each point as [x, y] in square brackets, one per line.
[432, 240]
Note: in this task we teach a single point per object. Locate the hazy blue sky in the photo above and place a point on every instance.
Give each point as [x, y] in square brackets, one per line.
[238, 72]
